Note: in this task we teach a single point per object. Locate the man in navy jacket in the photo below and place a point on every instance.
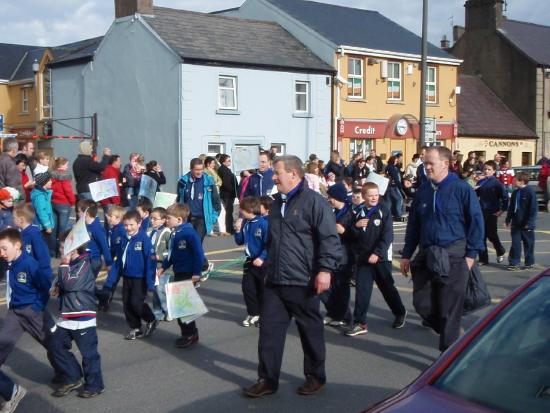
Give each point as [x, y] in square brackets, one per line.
[261, 183]
[446, 224]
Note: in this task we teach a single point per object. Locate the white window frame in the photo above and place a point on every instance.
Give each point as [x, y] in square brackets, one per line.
[355, 76]
[25, 100]
[296, 94]
[433, 83]
[282, 147]
[230, 89]
[392, 80]
[221, 146]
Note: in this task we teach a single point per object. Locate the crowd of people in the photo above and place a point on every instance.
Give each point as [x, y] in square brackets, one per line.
[307, 229]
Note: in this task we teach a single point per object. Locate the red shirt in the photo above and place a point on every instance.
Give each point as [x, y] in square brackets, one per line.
[111, 172]
[24, 181]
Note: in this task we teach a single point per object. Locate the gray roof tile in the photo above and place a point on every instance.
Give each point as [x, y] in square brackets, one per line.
[10, 57]
[213, 38]
[532, 39]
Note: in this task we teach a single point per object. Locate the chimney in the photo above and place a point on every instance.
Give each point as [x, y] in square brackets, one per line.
[445, 43]
[458, 31]
[484, 14]
[125, 8]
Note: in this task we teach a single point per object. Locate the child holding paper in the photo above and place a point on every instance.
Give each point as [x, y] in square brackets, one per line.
[136, 264]
[186, 258]
[97, 246]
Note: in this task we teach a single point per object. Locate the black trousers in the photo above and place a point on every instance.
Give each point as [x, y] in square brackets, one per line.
[279, 304]
[491, 222]
[228, 203]
[187, 329]
[253, 286]
[199, 226]
[336, 299]
[380, 273]
[134, 292]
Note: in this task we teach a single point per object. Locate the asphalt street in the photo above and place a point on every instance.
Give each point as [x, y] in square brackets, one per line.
[153, 375]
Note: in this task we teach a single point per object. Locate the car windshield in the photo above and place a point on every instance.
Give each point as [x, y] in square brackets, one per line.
[507, 366]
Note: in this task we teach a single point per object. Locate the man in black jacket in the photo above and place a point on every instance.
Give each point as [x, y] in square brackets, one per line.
[303, 251]
[228, 190]
[86, 170]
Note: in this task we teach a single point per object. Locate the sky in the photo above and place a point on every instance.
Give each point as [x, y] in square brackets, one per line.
[56, 22]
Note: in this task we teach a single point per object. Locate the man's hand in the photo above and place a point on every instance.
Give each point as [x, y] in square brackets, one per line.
[322, 282]
[405, 266]
[340, 229]
[195, 279]
[373, 259]
[469, 262]
[258, 262]
[49, 231]
[160, 271]
[362, 223]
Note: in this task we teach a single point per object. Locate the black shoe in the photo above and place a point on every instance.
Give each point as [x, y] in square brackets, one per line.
[67, 388]
[185, 342]
[150, 328]
[88, 394]
[57, 379]
[399, 321]
[259, 389]
[133, 334]
[311, 386]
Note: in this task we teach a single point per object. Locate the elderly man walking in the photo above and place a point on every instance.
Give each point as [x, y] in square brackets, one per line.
[303, 252]
[9, 174]
[446, 224]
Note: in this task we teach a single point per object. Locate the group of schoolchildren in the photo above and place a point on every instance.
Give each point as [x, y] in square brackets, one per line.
[143, 247]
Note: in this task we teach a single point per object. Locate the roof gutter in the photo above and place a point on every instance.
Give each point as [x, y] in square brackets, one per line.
[397, 55]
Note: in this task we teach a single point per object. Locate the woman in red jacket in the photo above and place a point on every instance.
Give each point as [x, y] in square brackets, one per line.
[63, 198]
[112, 171]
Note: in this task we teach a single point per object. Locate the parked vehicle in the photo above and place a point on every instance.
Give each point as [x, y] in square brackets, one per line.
[501, 364]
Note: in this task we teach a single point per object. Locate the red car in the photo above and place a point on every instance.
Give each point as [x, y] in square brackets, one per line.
[502, 364]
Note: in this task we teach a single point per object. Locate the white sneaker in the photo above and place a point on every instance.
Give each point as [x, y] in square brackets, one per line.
[247, 321]
[327, 321]
[255, 321]
[11, 405]
[205, 274]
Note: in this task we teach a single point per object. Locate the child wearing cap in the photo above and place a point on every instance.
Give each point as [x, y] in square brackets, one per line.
[41, 200]
[8, 196]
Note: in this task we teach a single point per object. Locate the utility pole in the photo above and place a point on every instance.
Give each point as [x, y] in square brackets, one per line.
[94, 135]
[424, 72]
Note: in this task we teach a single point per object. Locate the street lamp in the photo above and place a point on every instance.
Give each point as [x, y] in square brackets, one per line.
[35, 66]
[424, 72]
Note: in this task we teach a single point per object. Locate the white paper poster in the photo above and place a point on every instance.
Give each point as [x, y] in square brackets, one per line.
[246, 157]
[103, 189]
[148, 187]
[164, 199]
[77, 237]
[183, 301]
[379, 180]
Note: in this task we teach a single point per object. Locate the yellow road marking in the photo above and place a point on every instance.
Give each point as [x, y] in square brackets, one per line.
[216, 252]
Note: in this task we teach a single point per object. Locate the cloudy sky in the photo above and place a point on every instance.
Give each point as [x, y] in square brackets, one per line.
[39, 22]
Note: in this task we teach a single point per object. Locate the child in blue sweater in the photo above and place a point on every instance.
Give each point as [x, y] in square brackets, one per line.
[41, 200]
[252, 233]
[7, 198]
[27, 296]
[144, 208]
[136, 264]
[97, 246]
[186, 258]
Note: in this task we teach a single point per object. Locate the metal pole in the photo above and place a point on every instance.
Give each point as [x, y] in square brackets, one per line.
[94, 134]
[424, 72]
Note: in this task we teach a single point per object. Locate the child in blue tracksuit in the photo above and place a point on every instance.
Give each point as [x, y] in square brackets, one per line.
[117, 233]
[252, 233]
[186, 257]
[521, 218]
[75, 288]
[27, 296]
[7, 197]
[144, 208]
[33, 243]
[136, 264]
[41, 200]
[97, 246]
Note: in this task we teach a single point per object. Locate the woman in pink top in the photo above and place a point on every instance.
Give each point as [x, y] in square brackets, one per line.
[312, 176]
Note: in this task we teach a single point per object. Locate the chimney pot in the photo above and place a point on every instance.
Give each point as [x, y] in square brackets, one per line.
[125, 8]
[445, 43]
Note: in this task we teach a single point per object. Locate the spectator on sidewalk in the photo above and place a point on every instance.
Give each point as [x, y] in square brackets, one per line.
[9, 173]
[86, 170]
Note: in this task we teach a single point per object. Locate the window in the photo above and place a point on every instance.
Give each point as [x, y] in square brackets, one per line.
[47, 95]
[301, 91]
[227, 92]
[431, 85]
[280, 148]
[215, 148]
[25, 100]
[394, 81]
[355, 78]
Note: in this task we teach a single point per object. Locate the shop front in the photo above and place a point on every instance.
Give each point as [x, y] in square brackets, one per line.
[398, 134]
[520, 152]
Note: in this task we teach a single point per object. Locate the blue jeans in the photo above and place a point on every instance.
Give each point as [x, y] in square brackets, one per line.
[86, 341]
[62, 213]
[527, 237]
[84, 195]
[160, 308]
[396, 201]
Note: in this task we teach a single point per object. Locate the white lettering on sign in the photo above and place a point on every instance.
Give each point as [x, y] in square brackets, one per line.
[371, 130]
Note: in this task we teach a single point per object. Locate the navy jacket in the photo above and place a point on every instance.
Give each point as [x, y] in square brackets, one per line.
[523, 208]
[421, 176]
[260, 184]
[6, 218]
[253, 235]
[35, 246]
[394, 175]
[492, 195]
[76, 283]
[186, 254]
[97, 246]
[116, 235]
[452, 214]
[140, 261]
[144, 226]
[345, 217]
[29, 285]
[376, 237]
